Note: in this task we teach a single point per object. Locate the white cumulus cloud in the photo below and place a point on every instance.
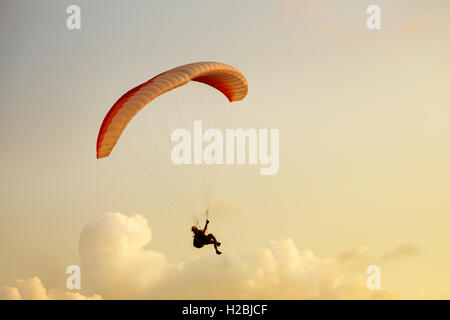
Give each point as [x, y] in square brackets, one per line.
[117, 265]
[33, 289]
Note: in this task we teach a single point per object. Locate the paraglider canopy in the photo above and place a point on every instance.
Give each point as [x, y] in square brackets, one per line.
[222, 77]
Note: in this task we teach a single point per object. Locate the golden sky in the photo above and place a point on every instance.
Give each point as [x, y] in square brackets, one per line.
[364, 150]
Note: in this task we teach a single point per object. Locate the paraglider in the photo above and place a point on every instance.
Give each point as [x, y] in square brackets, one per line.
[201, 238]
[224, 78]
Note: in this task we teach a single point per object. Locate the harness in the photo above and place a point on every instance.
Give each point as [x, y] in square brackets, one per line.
[200, 239]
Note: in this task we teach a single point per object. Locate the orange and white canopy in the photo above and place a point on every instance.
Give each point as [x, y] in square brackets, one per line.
[228, 80]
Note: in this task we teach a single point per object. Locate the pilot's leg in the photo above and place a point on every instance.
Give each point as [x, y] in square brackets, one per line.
[213, 240]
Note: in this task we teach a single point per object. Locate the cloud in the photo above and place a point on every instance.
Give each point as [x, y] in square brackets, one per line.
[33, 289]
[402, 251]
[117, 265]
[113, 257]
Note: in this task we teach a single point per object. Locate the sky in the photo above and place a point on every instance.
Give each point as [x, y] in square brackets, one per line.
[364, 150]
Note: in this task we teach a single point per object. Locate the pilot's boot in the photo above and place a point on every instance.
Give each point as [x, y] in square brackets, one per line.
[215, 247]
